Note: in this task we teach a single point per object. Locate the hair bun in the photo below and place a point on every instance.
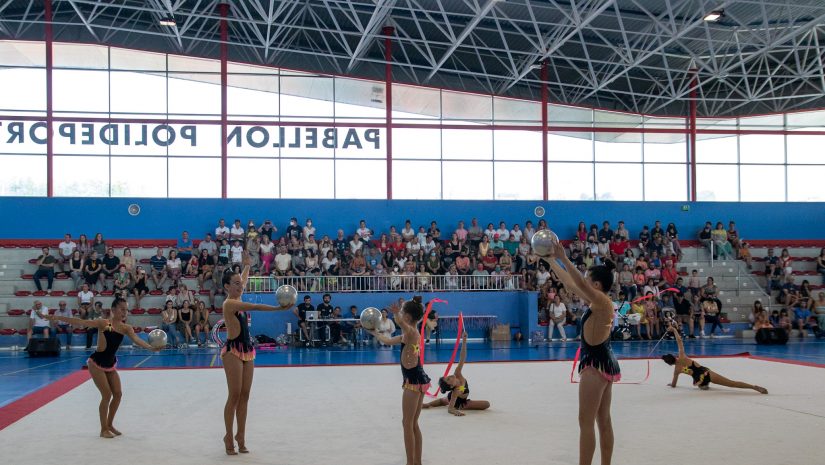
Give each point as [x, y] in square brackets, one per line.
[418, 299]
[609, 265]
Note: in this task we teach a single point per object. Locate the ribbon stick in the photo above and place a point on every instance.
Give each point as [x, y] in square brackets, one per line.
[647, 374]
[455, 352]
[424, 324]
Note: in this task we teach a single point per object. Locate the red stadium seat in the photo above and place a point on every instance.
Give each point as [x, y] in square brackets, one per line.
[137, 329]
[7, 332]
[79, 331]
[29, 312]
[33, 261]
[16, 312]
[22, 293]
[23, 332]
[137, 311]
[154, 311]
[61, 277]
[27, 276]
[72, 293]
[148, 330]
[145, 261]
[52, 311]
[40, 293]
[108, 293]
[156, 292]
[57, 294]
[203, 292]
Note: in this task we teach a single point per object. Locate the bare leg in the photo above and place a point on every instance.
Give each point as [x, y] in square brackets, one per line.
[102, 384]
[436, 403]
[476, 405]
[419, 441]
[233, 368]
[410, 400]
[605, 425]
[591, 389]
[716, 378]
[117, 394]
[246, 387]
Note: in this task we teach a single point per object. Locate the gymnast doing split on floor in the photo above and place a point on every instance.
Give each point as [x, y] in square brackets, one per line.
[702, 376]
[457, 389]
[103, 361]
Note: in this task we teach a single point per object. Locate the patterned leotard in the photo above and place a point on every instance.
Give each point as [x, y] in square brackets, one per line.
[599, 356]
[460, 401]
[415, 379]
[240, 346]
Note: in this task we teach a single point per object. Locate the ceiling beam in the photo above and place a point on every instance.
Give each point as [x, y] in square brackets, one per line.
[468, 29]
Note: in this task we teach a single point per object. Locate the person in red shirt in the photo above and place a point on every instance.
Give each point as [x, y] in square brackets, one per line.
[618, 247]
[669, 273]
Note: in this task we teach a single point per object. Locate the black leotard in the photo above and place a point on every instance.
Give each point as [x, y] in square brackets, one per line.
[241, 346]
[106, 359]
[700, 375]
[415, 379]
[460, 402]
[599, 356]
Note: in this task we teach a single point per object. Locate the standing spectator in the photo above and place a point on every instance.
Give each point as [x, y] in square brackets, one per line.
[76, 269]
[38, 324]
[64, 311]
[141, 287]
[253, 247]
[110, 266]
[45, 269]
[169, 325]
[185, 247]
[557, 316]
[99, 245]
[92, 269]
[267, 229]
[340, 244]
[221, 232]
[267, 257]
[293, 230]
[65, 250]
[159, 271]
[236, 232]
[84, 246]
[210, 246]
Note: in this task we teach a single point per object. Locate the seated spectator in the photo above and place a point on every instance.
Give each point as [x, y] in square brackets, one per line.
[92, 313]
[336, 328]
[205, 267]
[733, 236]
[802, 316]
[350, 329]
[169, 319]
[711, 309]
[819, 309]
[329, 264]
[65, 328]
[65, 250]
[516, 234]
[669, 273]
[557, 316]
[363, 232]
[122, 283]
[184, 294]
[236, 232]
[140, 288]
[236, 252]
[173, 268]
[129, 261]
[745, 254]
[385, 326]
[222, 232]
[76, 269]
[474, 233]
[503, 232]
[626, 284]
[785, 263]
[784, 322]
[761, 321]
[423, 281]
[529, 231]
[186, 320]
[755, 311]
[706, 238]
[480, 277]
[202, 323]
[110, 266]
[651, 306]
[283, 262]
[451, 278]
[253, 248]
[159, 270]
[185, 247]
[38, 324]
[433, 263]
[497, 245]
[301, 312]
[210, 246]
[489, 261]
[684, 311]
[605, 234]
[84, 246]
[92, 269]
[45, 269]
[644, 238]
[721, 245]
[99, 245]
[506, 262]
[463, 264]
[788, 292]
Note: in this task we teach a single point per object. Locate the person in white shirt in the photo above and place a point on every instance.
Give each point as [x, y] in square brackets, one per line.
[355, 244]
[237, 231]
[429, 245]
[64, 251]
[557, 314]
[221, 232]
[38, 324]
[64, 311]
[490, 232]
[542, 276]
[421, 236]
[283, 262]
[408, 232]
[363, 232]
[515, 234]
[503, 232]
[85, 296]
[237, 252]
[208, 245]
[309, 229]
[385, 327]
[529, 231]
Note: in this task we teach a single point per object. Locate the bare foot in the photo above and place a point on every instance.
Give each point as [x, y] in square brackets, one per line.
[425, 406]
[106, 434]
[760, 389]
[230, 446]
[241, 444]
[114, 431]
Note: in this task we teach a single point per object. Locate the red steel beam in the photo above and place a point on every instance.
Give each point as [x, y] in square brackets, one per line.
[388, 32]
[49, 99]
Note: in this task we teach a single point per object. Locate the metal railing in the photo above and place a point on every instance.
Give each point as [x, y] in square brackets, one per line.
[392, 283]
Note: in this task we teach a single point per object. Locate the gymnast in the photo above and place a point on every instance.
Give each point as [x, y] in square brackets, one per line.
[598, 367]
[702, 376]
[416, 382]
[457, 389]
[103, 361]
[238, 354]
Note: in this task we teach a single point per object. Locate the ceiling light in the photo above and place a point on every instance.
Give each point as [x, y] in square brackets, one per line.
[168, 21]
[714, 16]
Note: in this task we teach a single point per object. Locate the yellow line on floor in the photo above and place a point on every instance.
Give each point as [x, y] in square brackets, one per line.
[214, 357]
[141, 362]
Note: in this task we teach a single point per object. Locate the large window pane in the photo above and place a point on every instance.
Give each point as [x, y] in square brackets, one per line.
[304, 96]
[762, 183]
[769, 122]
[512, 111]
[138, 93]
[805, 183]
[574, 146]
[191, 97]
[717, 183]
[359, 100]
[307, 179]
[618, 181]
[416, 143]
[713, 149]
[253, 178]
[80, 56]
[467, 180]
[81, 91]
[28, 178]
[517, 145]
[466, 107]
[121, 58]
[139, 176]
[81, 176]
[252, 92]
[22, 89]
[360, 179]
[570, 181]
[806, 119]
[194, 177]
[193, 140]
[665, 182]
[518, 181]
[467, 144]
[560, 115]
[618, 147]
[22, 53]
[665, 148]
[761, 149]
[411, 103]
[416, 179]
[806, 150]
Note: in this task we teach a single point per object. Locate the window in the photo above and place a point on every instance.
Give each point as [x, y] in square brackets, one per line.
[618, 147]
[573, 146]
[517, 145]
[805, 183]
[68, 98]
[360, 179]
[139, 176]
[28, 178]
[307, 179]
[512, 111]
[467, 144]
[416, 179]
[81, 176]
[665, 148]
[467, 180]
[570, 181]
[717, 149]
[194, 177]
[359, 101]
[416, 143]
[761, 149]
[518, 181]
[618, 181]
[415, 104]
[762, 183]
[306, 97]
[806, 150]
[466, 107]
[717, 183]
[253, 178]
[665, 182]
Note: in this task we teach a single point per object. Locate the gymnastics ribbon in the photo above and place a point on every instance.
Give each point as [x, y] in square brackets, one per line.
[424, 324]
[455, 351]
[647, 374]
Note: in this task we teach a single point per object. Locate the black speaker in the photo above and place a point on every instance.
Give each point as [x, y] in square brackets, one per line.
[772, 336]
[43, 347]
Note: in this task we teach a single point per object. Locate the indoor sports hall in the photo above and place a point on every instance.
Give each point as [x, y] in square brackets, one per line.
[415, 232]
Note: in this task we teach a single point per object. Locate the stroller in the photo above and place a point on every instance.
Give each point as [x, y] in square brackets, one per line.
[622, 322]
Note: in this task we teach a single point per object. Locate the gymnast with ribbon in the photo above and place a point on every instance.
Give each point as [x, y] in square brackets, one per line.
[457, 388]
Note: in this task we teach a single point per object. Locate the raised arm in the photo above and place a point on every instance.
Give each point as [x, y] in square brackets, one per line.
[573, 280]
[247, 262]
[463, 356]
[672, 328]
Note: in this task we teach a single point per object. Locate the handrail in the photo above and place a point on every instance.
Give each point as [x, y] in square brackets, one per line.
[389, 283]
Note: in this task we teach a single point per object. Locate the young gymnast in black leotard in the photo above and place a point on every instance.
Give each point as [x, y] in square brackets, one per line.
[597, 366]
[416, 382]
[457, 389]
[702, 376]
[102, 362]
[238, 355]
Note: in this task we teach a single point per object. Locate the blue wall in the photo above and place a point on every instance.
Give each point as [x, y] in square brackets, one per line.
[519, 309]
[37, 218]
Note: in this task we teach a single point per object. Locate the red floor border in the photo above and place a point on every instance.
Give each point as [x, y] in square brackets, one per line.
[18, 409]
[788, 362]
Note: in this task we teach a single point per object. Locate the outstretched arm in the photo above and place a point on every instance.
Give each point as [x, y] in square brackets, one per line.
[390, 341]
[463, 356]
[138, 341]
[237, 306]
[77, 321]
